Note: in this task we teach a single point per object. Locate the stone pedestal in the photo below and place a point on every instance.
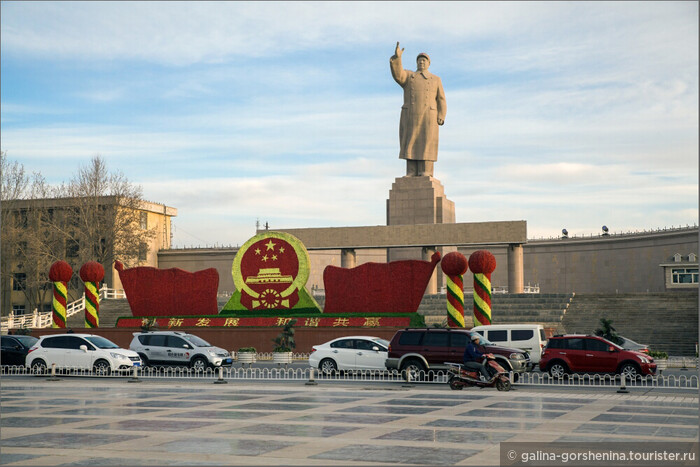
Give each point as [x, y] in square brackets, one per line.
[418, 200]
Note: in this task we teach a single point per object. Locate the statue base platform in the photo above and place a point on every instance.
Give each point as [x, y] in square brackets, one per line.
[413, 201]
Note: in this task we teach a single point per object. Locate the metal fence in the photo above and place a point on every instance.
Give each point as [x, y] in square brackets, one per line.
[285, 373]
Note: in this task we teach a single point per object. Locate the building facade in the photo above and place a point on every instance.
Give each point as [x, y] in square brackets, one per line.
[655, 261]
[38, 232]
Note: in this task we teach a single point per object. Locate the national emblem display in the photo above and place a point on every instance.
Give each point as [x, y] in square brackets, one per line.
[270, 270]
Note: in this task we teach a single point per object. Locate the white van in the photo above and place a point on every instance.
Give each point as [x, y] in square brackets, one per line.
[528, 337]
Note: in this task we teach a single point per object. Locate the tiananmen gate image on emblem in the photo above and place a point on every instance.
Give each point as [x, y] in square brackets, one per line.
[269, 270]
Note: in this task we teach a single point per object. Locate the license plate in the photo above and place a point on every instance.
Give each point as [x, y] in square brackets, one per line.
[137, 364]
[227, 361]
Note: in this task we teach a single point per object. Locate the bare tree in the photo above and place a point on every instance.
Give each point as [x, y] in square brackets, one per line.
[96, 216]
[28, 246]
[106, 221]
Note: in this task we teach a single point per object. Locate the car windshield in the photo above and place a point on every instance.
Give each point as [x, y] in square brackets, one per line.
[198, 341]
[483, 340]
[27, 341]
[383, 342]
[101, 342]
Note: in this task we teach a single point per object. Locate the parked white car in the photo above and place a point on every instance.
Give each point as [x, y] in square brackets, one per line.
[528, 337]
[81, 352]
[350, 353]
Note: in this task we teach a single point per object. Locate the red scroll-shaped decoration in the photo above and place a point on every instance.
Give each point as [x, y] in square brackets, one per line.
[60, 273]
[169, 292]
[395, 287]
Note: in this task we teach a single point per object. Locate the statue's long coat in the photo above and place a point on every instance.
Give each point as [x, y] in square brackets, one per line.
[423, 104]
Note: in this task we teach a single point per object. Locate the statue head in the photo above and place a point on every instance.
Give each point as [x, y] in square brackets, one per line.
[422, 61]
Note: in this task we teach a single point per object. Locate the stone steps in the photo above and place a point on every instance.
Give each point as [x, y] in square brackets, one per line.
[665, 321]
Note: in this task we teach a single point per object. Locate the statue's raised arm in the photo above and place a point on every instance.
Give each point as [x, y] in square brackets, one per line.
[398, 52]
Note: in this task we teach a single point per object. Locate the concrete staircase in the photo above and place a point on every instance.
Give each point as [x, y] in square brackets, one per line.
[110, 310]
[666, 321]
[545, 309]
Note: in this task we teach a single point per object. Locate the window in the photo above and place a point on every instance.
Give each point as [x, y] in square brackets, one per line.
[555, 344]
[19, 281]
[144, 220]
[498, 336]
[411, 338]
[436, 339]
[72, 248]
[574, 344]
[596, 345]
[692, 257]
[684, 275]
[18, 309]
[156, 340]
[364, 345]
[459, 339]
[343, 344]
[677, 258]
[8, 342]
[174, 341]
[143, 251]
[522, 334]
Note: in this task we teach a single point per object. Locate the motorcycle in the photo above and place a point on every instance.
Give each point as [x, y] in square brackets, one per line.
[461, 377]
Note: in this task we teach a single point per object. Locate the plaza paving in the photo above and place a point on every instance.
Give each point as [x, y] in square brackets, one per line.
[90, 421]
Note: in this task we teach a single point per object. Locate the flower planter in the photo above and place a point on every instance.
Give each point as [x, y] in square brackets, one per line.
[282, 358]
[247, 357]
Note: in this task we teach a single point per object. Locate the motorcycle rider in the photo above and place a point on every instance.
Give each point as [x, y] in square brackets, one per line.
[473, 357]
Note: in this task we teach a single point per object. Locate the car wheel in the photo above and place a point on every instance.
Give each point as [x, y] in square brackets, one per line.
[630, 371]
[199, 364]
[558, 370]
[38, 367]
[101, 368]
[414, 369]
[328, 366]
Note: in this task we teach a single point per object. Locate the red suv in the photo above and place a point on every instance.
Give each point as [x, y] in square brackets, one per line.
[592, 354]
[422, 350]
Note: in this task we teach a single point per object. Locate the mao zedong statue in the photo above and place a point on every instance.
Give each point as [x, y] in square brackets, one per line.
[424, 108]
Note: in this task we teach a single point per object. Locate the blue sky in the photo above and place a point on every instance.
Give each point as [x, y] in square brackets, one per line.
[567, 115]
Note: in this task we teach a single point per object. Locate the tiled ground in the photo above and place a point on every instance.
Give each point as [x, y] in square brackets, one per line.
[97, 422]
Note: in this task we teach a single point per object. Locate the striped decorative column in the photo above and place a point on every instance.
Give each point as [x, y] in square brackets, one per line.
[60, 273]
[454, 265]
[482, 263]
[91, 274]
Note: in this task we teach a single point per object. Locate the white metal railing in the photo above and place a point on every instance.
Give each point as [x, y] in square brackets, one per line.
[45, 319]
[282, 373]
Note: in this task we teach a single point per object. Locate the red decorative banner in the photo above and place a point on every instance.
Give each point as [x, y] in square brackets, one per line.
[175, 322]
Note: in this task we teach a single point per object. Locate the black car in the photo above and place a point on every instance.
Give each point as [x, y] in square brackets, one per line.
[15, 349]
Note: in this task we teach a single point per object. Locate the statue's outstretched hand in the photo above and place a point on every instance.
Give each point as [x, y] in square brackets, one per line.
[398, 51]
[441, 121]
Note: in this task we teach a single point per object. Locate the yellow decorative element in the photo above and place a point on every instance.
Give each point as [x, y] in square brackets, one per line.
[231, 321]
[341, 322]
[312, 322]
[372, 322]
[270, 245]
[203, 322]
[283, 321]
[175, 322]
